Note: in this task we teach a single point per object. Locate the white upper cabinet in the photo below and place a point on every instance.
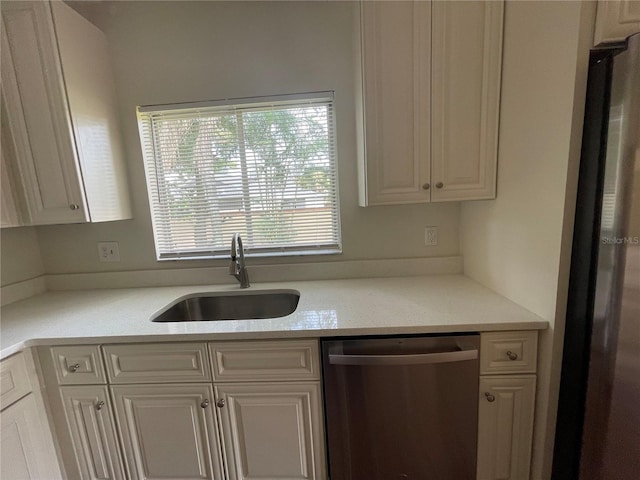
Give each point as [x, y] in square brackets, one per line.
[38, 114]
[616, 20]
[9, 210]
[60, 105]
[465, 70]
[396, 88]
[431, 93]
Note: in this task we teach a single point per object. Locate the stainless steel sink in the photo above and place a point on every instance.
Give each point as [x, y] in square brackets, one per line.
[230, 306]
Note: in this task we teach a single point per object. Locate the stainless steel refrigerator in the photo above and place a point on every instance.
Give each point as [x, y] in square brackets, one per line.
[598, 425]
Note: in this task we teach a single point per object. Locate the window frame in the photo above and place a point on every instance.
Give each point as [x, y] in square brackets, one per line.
[145, 121]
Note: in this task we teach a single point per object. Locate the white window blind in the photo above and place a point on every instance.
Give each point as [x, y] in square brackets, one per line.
[263, 167]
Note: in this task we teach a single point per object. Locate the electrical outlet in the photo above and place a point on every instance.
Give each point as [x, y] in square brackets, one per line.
[108, 251]
[430, 236]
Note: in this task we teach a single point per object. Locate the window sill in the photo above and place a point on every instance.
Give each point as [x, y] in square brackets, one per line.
[248, 255]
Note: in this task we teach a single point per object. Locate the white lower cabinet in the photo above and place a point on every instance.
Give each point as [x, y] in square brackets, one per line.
[508, 363]
[154, 415]
[168, 431]
[255, 411]
[21, 443]
[92, 430]
[272, 430]
[505, 426]
[27, 451]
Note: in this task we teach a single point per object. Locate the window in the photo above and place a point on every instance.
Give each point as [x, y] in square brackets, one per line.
[263, 167]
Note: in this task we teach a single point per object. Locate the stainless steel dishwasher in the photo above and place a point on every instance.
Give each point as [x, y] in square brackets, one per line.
[402, 408]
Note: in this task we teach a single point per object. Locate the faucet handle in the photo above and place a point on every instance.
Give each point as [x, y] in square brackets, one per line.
[237, 267]
[234, 268]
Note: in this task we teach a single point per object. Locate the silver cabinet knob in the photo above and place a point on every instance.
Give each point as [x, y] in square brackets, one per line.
[99, 405]
[490, 397]
[221, 403]
[439, 185]
[512, 355]
[205, 403]
[425, 186]
[74, 206]
[73, 368]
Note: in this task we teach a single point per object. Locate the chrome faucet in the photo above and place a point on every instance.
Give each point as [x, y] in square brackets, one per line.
[237, 267]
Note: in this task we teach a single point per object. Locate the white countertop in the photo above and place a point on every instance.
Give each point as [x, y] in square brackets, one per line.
[428, 304]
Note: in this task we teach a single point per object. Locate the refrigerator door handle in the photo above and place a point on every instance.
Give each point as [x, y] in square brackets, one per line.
[411, 359]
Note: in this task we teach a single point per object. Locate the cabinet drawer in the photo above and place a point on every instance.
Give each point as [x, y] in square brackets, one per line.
[263, 360]
[508, 352]
[76, 365]
[157, 363]
[14, 380]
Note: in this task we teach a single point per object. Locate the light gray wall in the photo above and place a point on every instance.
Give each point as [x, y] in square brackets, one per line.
[167, 52]
[519, 245]
[19, 255]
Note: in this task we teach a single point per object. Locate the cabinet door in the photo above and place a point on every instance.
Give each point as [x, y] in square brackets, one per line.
[93, 435]
[272, 430]
[8, 210]
[505, 427]
[10, 215]
[466, 69]
[168, 431]
[14, 379]
[616, 20]
[23, 452]
[396, 84]
[38, 114]
[93, 104]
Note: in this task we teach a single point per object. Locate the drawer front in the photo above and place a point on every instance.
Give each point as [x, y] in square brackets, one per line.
[77, 365]
[508, 352]
[157, 363]
[265, 360]
[14, 380]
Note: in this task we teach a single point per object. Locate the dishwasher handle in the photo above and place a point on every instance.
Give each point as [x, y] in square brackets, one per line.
[411, 359]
